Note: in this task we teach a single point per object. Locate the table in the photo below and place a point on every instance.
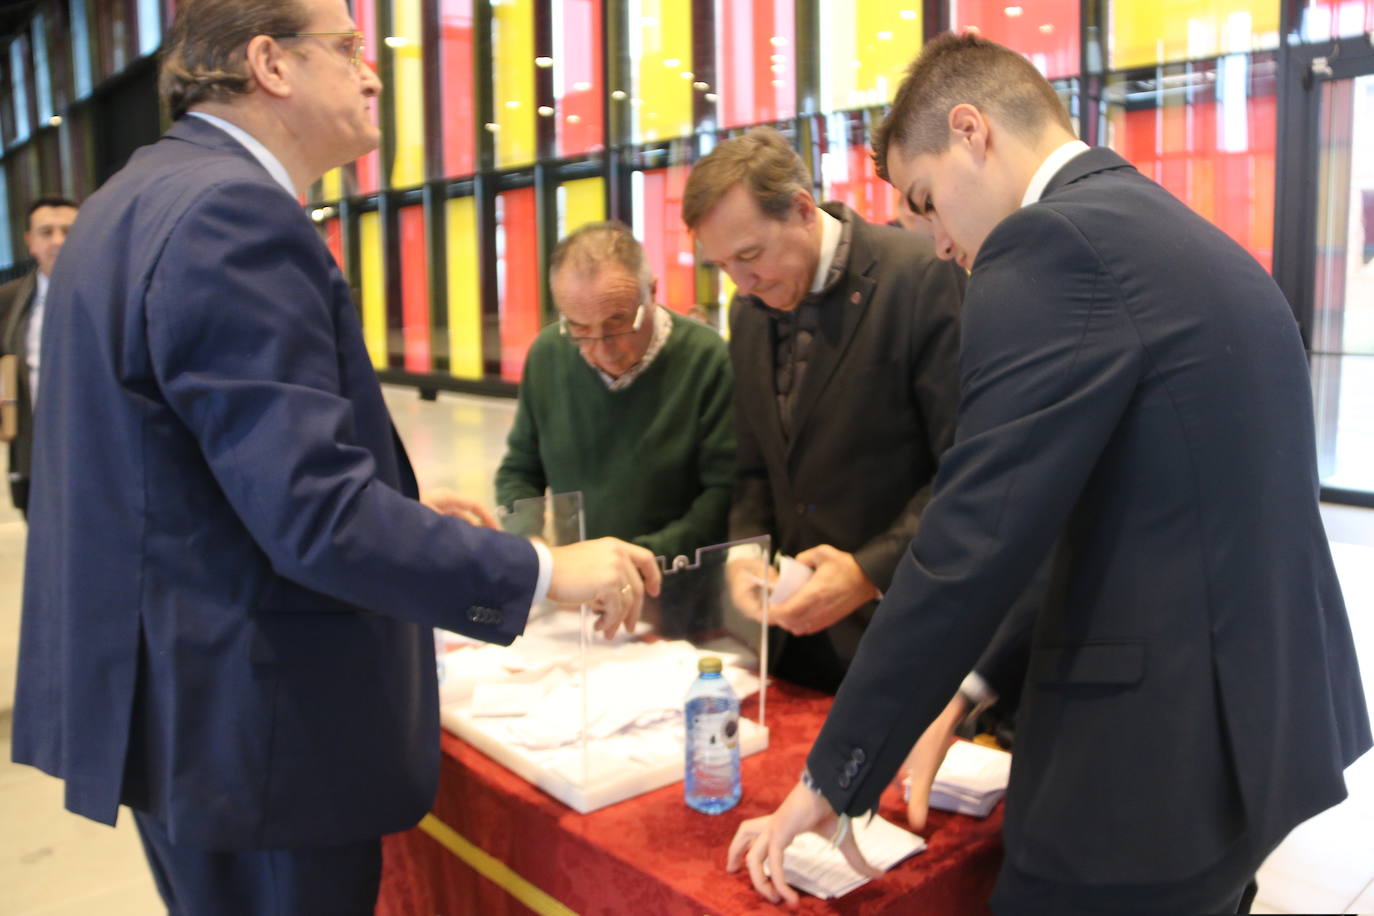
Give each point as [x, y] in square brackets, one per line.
[494, 844]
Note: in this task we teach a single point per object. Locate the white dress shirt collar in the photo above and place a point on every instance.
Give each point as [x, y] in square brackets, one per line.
[254, 146]
[831, 229]
[1052, 164]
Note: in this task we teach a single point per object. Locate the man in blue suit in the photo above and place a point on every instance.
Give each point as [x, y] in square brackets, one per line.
[1133, 383]
[230, 588]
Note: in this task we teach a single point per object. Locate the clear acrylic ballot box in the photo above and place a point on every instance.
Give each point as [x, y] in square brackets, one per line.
[591, 721]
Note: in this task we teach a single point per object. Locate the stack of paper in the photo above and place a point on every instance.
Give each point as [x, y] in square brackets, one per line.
[812, 865]
[972, 779]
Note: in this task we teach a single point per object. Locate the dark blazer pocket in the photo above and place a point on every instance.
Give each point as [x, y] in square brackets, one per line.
[1118, 663]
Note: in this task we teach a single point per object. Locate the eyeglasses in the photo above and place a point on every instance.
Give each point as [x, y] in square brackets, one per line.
[579, 338]
[354, 55]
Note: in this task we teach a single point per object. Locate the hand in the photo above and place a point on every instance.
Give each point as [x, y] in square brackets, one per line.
[746, 578]
[609, 575]
[763, 839]
[835, 590]
[448, 502]
[925, 759]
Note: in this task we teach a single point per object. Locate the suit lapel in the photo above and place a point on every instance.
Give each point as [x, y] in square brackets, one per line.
[753, 331]
[839, 320]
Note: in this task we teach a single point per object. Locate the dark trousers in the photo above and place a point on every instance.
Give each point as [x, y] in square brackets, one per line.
[1227, 887]
[323, 881]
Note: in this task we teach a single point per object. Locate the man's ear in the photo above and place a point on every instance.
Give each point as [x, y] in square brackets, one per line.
[269, 66]
[805, 206]
[969, 127]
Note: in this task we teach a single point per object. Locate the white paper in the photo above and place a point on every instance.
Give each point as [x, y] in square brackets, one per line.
[812, 865]
[791, 576]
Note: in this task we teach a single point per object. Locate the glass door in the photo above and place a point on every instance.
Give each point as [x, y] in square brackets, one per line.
[1326, 259]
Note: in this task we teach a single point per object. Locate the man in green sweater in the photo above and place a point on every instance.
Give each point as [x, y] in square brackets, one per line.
[626, 402]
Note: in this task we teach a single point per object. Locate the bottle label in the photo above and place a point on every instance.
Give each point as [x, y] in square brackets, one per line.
[714, 736]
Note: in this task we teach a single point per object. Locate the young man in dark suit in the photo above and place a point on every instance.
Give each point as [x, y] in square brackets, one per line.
[1133, 383]
[230, 589]
[22, 308]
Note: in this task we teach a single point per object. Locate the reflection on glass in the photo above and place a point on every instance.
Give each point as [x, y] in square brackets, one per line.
[464, 290]
[19, 88]
[6, 243]
[865, 48]
[756, 68]
[580, 202]
[657, 195]
[149, 26]
[81, 48]
[1046, 31]
[373, 281]
[408, 94]
[661, 61]
[1343, 301]
[517, 277]
[1207, 134]
[41, 78]
[455, 52]
[848, 173]
[369, 167]
[512, 81]
[414, 266]
[1145, 32]
[1323, 20]
[579, 105]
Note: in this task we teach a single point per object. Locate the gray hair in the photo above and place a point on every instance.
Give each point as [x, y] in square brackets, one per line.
[589, 248]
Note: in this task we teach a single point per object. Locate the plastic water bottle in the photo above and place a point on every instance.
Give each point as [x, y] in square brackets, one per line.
[712, 718]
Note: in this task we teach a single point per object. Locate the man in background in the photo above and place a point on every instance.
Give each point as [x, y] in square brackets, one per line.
[22, 307]
[625, 401]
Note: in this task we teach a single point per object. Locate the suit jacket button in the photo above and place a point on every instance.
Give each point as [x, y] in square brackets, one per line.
[801, 509]
[851, 769]
[858, 756]
[844, 780]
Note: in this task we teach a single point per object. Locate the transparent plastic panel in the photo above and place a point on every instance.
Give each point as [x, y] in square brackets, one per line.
[593, 721]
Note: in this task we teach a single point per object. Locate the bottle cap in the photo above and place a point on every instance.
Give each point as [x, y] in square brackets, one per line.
[708, 664]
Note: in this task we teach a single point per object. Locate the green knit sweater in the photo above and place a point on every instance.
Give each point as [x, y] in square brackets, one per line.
[654, 462]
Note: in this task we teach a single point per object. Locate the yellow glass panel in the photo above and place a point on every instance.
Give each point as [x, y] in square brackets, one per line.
[512, 26]
[661, 52]
[865, 49]
[373, 287]
[332, 185]
[584, 201]
[408, 91]
[464, 292]
[1146, 32]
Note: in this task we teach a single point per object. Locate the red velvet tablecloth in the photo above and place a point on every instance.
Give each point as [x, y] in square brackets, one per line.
[652, 854]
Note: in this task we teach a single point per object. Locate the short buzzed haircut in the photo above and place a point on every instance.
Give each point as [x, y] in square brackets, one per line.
[762, 160]
[965, 69]
[588, 249]
[47, 200]
[204, 60]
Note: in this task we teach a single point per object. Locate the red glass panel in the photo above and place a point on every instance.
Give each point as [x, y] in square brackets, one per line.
[518, 273]
[1178, 147]
[455, 53]
[862, 189]
[756, 77]
[667, 245]
[333, 238]
[414, 290]
[1046, 31]
[369, 167]
[581, 106]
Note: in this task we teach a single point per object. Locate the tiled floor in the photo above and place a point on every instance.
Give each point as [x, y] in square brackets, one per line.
[56, 864]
